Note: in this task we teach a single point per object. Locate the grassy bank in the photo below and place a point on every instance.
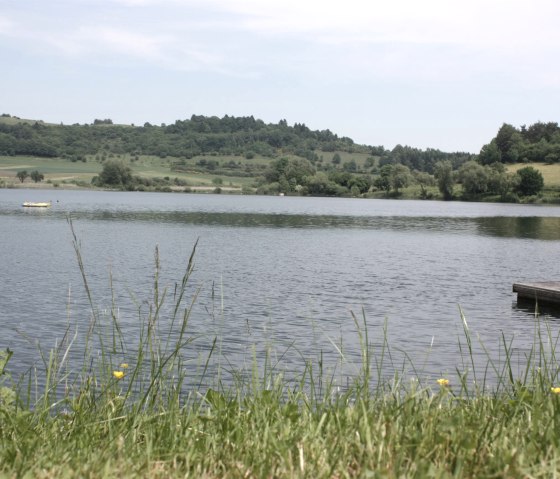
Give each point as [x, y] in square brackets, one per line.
[404, 432]
[111, 419]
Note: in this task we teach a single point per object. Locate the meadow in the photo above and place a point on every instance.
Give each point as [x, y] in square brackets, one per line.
[109, 418]
[60, 172]
[550, 172]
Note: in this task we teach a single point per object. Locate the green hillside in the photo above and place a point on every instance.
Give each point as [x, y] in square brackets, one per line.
[244, 154]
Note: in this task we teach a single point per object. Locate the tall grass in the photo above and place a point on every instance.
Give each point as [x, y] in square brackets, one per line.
[110, 419]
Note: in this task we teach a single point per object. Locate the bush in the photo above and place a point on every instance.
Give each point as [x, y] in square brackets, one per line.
[530, 181]
[115, 173]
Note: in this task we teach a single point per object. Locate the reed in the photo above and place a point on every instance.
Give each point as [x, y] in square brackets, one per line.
[109, 419]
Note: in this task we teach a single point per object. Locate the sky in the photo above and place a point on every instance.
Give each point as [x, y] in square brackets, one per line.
[424, 73]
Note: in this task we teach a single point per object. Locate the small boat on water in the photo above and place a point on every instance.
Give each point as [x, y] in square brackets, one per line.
[31, 204]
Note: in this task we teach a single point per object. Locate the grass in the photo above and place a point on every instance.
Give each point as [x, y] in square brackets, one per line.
[64, 172]
[108, 419]
[550, 172]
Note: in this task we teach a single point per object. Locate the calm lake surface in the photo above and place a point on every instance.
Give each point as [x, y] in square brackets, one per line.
[278, 273]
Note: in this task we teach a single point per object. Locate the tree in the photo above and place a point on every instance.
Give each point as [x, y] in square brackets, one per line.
[490, 153]
[22, 175]
[540, 131]
[36, 176]
[474, 178]
[115, 173]
[424, 179]
[350, 166]
[336, 159]
[530, 181]
[508, 140]
[400, 177]
[361, 183]
[289, 173]
[443, 173]
[500, 181]
[383, 181]
[320, 185]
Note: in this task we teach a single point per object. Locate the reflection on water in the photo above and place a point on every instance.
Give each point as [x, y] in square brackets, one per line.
[281, 271]
[542, 228]
[498, 220]
[535, 309]
[258, 220]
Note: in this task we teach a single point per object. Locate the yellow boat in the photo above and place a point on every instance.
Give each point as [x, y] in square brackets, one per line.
[31, 204]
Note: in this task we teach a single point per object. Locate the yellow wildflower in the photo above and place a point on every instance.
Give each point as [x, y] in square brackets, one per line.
[443, 382]
[555, 390]
[118, 374]
[124, 366]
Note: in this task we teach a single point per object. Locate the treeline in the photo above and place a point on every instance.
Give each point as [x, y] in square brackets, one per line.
[200, 135]
[538, 142]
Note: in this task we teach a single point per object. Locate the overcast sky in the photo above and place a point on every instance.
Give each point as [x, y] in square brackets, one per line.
[426, 73]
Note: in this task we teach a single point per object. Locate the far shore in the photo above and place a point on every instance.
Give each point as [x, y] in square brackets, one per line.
[73, 186]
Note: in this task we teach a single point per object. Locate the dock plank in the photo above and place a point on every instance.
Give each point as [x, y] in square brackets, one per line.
[542, 291]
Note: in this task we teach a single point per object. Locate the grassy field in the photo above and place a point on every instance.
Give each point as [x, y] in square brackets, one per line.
[551, 173]
[110, 419]
[64, 173]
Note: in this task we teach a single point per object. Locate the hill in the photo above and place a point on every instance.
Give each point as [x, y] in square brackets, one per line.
[246, 154]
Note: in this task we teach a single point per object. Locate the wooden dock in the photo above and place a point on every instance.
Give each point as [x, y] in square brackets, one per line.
[542, 291]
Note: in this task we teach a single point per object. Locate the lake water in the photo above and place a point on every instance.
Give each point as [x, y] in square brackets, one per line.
[278, 273]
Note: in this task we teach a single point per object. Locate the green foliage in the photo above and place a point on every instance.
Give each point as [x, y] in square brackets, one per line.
[508, 141]
[350, 166]
[200, 144]
[400, 177]
[530, 181]
[474, 178]
[393, 177]
[500, 182]
[115, 173]
[383, 181]
[242, 136]
[443, 173]
[7, 392]
[360, 183]
[490, 153]
[36, 176]
[425, 180]
[289, 173]
[539, 142]
[321, 184]
[22, 175]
